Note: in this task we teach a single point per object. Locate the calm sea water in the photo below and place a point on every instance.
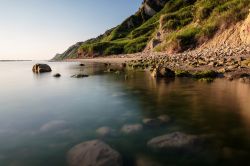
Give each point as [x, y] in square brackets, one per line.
[42, 117]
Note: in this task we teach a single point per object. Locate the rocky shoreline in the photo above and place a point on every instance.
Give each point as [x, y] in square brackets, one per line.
[226, 61]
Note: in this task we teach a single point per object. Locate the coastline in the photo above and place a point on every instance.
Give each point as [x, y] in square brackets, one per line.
[15, 60]
[230, 62]
[113, 60]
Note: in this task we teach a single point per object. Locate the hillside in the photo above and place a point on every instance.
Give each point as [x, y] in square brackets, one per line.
[165, 26]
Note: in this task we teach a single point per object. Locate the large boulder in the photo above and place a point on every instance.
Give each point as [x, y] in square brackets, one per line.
[93, 153]
[41, 68]
[173, 140]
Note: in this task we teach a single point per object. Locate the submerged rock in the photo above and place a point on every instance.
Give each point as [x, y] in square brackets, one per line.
[105, 131]
[93, 153]
[151, 122]
[54, 125]
[163, 119]
[173, 140]
[131, 128]
[79, 76]
[41, 68]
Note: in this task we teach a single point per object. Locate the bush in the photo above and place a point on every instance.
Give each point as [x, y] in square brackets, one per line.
[178, 19]
[187, 38]
[136, 45]
[142, 31]
[114, 49]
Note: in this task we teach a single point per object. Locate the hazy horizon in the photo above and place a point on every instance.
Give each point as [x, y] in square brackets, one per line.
[42, 28]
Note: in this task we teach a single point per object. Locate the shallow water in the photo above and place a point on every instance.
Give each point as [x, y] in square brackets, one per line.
[42, 117]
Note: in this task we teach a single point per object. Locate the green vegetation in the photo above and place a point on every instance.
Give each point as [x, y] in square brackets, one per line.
[205, 74]
[182, 73]
[192, 25]
[185, 23]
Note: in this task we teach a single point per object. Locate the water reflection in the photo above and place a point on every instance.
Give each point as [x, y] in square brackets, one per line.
[42, 117]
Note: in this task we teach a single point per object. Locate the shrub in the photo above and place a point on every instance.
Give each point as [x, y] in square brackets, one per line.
[114, 49]
[187, 37]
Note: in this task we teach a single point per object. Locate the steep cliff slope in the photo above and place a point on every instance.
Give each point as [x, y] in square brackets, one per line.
[165, 25]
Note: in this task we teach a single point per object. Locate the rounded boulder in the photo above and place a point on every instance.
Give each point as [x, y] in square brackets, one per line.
[95, 152]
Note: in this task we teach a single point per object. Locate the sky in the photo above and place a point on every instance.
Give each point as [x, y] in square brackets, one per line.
[39, 29]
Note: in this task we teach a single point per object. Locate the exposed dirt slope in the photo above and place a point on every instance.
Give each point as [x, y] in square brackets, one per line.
[234, 36]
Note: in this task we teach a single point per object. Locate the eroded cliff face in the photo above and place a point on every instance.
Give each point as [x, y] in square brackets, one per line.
[151, 7]
[245, 31]
[147, 10]
[234, 36]
[171, 26]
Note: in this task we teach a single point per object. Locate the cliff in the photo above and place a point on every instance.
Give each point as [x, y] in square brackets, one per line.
[166, 26]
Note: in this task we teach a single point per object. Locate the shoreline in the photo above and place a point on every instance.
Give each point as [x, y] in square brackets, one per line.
[231, 62]
[116, 59]
[15, 60]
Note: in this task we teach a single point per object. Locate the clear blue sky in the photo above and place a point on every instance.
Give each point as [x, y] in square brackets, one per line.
[38, 29]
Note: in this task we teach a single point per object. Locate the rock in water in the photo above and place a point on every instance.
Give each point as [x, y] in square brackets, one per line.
[79, 76]
[132, 128]
[173, 140]
[105, 131]
[54, 125]
[93, 153]
[151, 122]
[57, 75]
[163, 119]
[163, 72]
[41, 68]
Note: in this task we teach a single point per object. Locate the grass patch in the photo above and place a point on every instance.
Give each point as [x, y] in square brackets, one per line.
[205, 74]
[182, 73]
